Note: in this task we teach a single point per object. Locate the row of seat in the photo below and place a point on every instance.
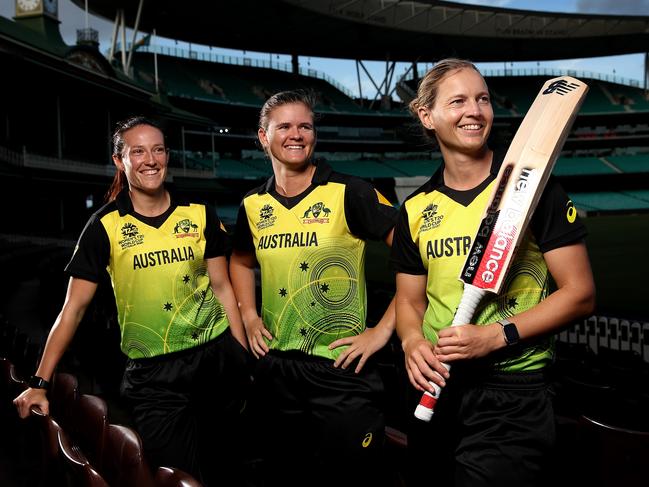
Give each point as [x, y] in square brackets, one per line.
[77, 446]
[603, 332]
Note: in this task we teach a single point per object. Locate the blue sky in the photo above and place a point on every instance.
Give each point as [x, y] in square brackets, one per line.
[343, 71]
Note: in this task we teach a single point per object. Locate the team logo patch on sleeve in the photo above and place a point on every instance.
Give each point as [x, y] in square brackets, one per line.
[266, 217]
[431, 218]
[131, 234]
[185, 228]
[314, 212]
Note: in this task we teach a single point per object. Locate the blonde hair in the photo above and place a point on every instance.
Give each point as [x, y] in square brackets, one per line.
[306, 97]
[427, 90]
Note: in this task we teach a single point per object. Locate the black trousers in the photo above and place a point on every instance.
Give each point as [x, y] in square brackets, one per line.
[187, 406]
[489, 429]
[318, 425]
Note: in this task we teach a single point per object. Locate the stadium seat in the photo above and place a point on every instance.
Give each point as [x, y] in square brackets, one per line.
[51, 471]
[614, 333]
[173, 477]
[645, 342]
[90, 426]
[78, 470]
[636, 338]
[612, 456]
[593, 338]
[63, 397]
[124, 464]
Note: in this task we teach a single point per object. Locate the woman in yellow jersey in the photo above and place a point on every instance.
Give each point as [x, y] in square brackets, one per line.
[180, 326]
[317, 396]
[493, 423]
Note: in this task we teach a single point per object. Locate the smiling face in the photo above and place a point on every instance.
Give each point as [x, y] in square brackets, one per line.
[289, 137]
[144, 159]
[461, 115]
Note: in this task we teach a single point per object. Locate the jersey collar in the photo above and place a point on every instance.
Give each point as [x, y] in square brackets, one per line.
[321, 176]
[125, 205]
[437, 179]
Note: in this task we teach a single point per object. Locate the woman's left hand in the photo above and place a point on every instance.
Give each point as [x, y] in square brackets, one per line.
[468, 341]
[363, 346]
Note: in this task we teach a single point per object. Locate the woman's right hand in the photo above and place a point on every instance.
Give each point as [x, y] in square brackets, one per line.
[256, 332]
[29, 398]
[422, 365]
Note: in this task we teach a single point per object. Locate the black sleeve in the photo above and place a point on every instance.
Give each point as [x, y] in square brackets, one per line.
[242, 237]
[555, 222]
[217, 241]
[404, 256]
[368, 218]
[92, 253]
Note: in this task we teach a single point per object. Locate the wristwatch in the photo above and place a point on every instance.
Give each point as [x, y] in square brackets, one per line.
[510, 332]
[36, 382]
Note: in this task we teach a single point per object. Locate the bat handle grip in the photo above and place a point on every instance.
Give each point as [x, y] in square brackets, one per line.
[471, 297]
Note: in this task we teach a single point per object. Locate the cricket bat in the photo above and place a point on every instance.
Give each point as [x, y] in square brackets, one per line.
[517, 190]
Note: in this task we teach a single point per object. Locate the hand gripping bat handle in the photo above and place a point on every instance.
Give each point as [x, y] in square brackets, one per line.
[470, 299]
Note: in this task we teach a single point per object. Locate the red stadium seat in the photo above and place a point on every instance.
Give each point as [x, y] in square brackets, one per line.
[63, 397]
[79, 471]
[90, 426]
[173, 477]
[51, 471]
[124, 464]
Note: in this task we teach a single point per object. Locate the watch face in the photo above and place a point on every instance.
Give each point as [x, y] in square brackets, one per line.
[28, 5]
[511, 333]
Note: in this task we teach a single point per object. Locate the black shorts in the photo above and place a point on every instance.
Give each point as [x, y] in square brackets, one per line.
[488, 429]
[318, 421]
[187, 405]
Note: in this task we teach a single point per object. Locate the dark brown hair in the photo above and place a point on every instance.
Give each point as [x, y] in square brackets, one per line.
[119, 181]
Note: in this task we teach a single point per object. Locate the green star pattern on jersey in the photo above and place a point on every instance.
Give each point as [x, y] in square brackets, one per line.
[313, 276]
[164, 299]
[320, 302]
[443, 230]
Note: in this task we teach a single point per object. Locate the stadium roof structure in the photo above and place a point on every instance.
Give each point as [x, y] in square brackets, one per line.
[424, 30]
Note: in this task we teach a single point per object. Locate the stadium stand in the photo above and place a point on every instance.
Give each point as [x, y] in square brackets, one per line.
[635, 163]
[237, 85]
[581, 166]
[612, 200]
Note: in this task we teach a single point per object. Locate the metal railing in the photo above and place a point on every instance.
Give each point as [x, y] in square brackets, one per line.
[239, 61]
[26, 159]
[493, 73]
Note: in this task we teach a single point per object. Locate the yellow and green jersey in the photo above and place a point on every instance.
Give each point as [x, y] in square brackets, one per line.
[434, 235]
[311, 252]
[158, 271]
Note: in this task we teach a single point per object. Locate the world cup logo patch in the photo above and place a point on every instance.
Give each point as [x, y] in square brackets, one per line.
[266, 217]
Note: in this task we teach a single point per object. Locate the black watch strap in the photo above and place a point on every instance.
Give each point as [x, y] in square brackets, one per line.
[36, 382]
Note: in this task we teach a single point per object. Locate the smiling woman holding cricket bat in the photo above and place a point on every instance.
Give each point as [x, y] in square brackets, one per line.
[493, 421]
